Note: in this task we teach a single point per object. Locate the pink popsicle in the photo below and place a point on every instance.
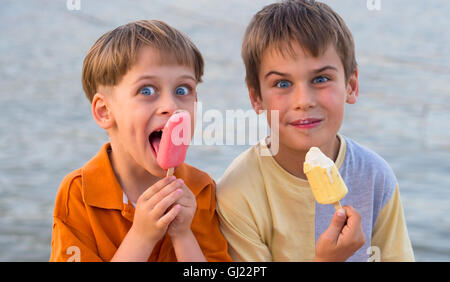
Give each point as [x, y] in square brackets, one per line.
[174, 141]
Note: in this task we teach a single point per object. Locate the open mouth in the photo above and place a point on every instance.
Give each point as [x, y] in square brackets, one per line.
[155, 139]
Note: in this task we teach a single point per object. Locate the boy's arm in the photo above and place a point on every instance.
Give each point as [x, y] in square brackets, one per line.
[390, 234]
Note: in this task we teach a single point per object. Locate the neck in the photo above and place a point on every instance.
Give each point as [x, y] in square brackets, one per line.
[292, 160]
[133, 179]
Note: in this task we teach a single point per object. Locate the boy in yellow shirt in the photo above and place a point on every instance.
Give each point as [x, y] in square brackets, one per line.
[300, 65]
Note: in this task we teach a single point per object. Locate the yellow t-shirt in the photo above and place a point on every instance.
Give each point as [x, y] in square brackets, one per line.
[267, 214]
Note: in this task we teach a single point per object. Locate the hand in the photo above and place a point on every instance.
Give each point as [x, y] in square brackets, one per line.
[343, 237]
[181, 225]
[156, 209]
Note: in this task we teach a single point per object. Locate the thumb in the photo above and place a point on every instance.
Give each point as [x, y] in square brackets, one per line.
[336, 225]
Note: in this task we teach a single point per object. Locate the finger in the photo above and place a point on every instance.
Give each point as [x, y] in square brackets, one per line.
[188, 197]
[187, 189]
[354, 218]
[165, 220]
[164, 192]
[155, 188]
[336, 225]
[354, 224]
[162, 206]
[184, 201]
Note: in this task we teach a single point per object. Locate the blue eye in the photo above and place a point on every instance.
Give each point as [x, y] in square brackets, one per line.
[147, 90]
[320, 79]
[182, 90]
[283, 84]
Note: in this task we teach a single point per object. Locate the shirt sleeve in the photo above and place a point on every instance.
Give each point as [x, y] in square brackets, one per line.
[72, 238]
[205, 226]
[390, 234]
[244, 241]
[68, 245]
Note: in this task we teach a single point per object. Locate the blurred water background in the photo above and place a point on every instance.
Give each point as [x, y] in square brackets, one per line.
[46, 129]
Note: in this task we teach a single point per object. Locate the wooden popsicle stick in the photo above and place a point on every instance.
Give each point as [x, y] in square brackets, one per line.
[170, 172]
[337, 205]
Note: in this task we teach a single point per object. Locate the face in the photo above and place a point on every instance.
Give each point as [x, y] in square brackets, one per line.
[309, 94]
[141, 104]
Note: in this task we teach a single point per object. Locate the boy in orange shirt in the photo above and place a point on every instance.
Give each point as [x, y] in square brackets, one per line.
[120, 206]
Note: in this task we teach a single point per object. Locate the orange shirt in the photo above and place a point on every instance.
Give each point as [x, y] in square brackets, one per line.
[90, 219]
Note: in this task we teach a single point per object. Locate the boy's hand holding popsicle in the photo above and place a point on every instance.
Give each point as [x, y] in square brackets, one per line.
[344, 236]
[181, 225]
[156, 208]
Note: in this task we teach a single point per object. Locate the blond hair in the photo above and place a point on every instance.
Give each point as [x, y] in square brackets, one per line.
[115, 52]
[312, 25]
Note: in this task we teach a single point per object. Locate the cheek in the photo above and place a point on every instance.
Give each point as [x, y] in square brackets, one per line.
[193, 117]
[280, 103]
[333, 104]
[138, 118]
[191, 108]
[274, 101]
[275, 108]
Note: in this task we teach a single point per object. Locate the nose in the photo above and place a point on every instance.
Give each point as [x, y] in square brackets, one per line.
[167, 103]
[303, 97]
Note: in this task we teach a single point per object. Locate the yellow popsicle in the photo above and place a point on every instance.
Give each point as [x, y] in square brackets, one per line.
[324, 178]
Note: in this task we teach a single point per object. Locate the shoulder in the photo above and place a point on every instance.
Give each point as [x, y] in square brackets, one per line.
[242, 176]
[242, 197]
[363, 157]
[241, 191]
[365, 164]
[69, 194]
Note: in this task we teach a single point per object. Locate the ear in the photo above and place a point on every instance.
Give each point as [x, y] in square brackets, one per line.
[255, 99]
[352, 88]
[101, 111]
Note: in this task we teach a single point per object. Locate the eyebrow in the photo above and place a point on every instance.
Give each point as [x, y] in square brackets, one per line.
[274, 72]
[325, 68]
[154, 76]
[328, 67]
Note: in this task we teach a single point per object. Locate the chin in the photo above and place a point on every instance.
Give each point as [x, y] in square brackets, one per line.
[302, 147]
[159, 172]
[297, 143]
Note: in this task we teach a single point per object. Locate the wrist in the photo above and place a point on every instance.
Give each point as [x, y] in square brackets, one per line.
[187, 248]
[143, 242]
[134, 247]
[180, 237]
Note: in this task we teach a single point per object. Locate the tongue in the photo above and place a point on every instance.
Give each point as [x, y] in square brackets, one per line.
[155, 143]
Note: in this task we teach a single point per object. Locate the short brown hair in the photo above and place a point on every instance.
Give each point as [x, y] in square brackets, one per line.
[313, 25]
[115, 52]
